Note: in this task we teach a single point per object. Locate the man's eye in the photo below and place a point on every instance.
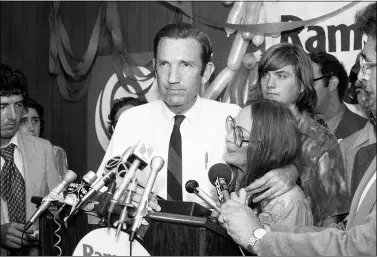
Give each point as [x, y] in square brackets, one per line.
[163, 64]
[36, 121]
[20, 104]
[23, 121]
[282, 76]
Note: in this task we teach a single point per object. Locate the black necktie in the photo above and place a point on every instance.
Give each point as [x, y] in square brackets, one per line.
[363, 159]
[174, 180]
[12, 190]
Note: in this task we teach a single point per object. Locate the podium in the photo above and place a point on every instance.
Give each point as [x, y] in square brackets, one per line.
[167, 234]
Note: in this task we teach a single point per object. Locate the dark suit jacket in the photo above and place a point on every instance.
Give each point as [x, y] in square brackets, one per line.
[350, 123]
[357, 238]
[40, 170]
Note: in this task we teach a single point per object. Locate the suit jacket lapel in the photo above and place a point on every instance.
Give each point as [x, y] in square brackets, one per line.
[368, 198]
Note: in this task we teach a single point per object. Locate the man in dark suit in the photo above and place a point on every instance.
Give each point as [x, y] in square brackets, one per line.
[355, 238]
[27, 168]
[330, 82]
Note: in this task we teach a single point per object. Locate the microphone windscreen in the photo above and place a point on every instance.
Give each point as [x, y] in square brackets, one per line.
[191, 185]
[220, 170]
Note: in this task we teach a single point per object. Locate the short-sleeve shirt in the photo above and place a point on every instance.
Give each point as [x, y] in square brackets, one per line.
[322, 172]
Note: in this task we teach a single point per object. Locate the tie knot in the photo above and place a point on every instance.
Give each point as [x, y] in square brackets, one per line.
[7, 152]
[178, 120]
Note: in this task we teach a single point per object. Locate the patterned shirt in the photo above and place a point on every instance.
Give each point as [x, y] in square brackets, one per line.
[322, 172]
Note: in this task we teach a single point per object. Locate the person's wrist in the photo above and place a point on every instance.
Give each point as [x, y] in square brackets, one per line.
[257, 234]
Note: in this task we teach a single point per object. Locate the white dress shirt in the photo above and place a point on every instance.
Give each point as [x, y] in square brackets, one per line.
[203, 141]
[19, 164]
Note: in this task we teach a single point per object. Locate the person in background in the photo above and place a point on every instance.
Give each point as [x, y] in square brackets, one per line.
[121, 105]
[357, 94]
[359, 149]
[264, 136]
[355, 238]
[32, 123]
[330, 82]
[285, 75]
[27, 168]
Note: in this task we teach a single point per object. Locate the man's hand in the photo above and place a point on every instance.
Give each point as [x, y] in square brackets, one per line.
[11, 235]
[153, 202]
[277, 181]
[238, 219]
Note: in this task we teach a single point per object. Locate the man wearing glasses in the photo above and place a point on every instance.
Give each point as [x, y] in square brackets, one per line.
[359, 150]
[330, 82]
[356, 237]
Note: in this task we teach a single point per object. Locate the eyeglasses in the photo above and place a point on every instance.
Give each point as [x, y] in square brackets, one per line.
[323, 77]
[366, 67]
[236, 130]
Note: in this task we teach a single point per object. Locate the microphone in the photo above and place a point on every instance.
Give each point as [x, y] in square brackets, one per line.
[192, 186]
[110, 176]
[69, 177]
[220, 175]
[139, 158]
[76, 191]
[156, 165]
[104, 200]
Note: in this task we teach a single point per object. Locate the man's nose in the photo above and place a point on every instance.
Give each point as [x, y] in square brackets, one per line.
[11, 113]
[271, 82]
[174, 75]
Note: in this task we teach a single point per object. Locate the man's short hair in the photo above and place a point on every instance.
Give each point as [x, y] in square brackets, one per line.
[185, 30]
[30, 103]
[12, 82]
[280, 55]
[330, 66]
[365, 20]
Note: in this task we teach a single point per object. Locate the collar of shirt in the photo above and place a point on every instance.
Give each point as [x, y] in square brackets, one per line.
[367, 135]
[17, 155]
[191, 115]
[14, 140]
[307, 125]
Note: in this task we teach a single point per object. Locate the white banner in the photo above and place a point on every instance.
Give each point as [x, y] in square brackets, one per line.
[335, 35]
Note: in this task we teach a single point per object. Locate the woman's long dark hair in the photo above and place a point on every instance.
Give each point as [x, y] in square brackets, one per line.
[274, 139]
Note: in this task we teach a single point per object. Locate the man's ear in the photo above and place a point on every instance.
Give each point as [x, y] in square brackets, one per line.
[333, 83]
[154, 65]
[210, 68]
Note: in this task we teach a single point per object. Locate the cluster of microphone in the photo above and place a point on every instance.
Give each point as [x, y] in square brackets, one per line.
[220, 175]
[80, 195]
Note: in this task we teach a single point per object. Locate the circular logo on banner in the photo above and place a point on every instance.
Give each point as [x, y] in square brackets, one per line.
[113, 91]
[101, 242]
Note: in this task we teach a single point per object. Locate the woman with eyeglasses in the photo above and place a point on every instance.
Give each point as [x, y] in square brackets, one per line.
[264, 136]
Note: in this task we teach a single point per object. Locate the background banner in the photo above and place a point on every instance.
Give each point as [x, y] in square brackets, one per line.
[335, 35]
[104, 89]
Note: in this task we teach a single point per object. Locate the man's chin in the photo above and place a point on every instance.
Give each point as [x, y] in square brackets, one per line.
[8, 134]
